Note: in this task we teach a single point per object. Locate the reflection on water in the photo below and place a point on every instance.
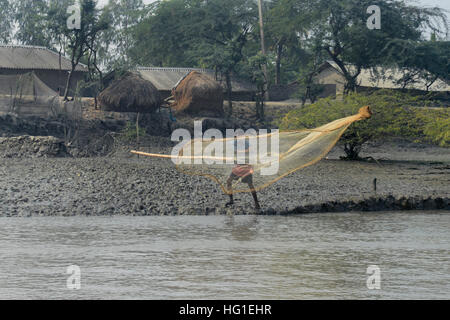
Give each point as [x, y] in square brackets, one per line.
[245, 257]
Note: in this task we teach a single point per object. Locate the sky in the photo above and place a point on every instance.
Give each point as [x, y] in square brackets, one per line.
[444, 4]
[103, 2]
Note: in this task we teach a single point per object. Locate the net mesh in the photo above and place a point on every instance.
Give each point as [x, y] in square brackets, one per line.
[250, 161]
[25, 91]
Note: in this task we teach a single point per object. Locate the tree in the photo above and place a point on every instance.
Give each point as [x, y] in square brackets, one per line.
[164, 36]
[288, 22]
[308, 86]
[117, 41]
[224, 32]
[353, 46]
[6, 17]
[257, 64]
[199, 33]
[395, 114]
[78, 41]
[94, 45]
[428, 60]
[30, 17]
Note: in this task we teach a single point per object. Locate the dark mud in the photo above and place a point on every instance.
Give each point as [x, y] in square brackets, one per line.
[123, 184]
[93, 173]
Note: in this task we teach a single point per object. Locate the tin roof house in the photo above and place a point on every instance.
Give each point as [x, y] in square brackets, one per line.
[331, 76]
[46, 64]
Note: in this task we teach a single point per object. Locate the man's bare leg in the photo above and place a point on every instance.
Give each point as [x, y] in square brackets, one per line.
[229, 181]
[255, 197]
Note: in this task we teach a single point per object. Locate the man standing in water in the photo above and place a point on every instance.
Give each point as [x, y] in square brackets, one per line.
[244, 172]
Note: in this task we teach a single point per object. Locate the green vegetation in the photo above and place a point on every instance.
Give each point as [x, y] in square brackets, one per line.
[436, 126]
[224, 35]
[396, 114]
[129, 133]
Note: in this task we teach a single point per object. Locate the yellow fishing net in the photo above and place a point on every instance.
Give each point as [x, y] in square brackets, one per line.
[251, 161]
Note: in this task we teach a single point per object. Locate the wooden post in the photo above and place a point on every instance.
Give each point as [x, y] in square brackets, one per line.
[137, 131]
[263, 47]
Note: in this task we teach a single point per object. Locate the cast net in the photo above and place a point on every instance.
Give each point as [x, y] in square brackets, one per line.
[252, 161]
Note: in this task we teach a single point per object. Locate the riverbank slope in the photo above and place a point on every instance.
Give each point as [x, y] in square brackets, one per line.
[409, 176]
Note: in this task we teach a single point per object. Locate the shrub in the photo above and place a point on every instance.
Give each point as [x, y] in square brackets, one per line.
[130, 133]
[395, 114]
[436, 126]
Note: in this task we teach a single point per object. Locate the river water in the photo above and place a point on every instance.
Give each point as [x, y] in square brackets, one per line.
[317, 256]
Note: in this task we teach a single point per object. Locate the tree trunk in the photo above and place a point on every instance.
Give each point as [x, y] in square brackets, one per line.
[261, 107]
[257, 106]
[60, 67]
[263, 46]
[278, 63]
[352, 151]
[350, 80]
[137, 131]
[429, 84]
[69, 79]
[100, 87]
[229, 92]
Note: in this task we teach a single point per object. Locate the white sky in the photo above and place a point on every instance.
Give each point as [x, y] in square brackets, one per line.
[103, 2]
[445, 4]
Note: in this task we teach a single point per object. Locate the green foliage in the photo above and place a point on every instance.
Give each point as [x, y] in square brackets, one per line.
[224, 35]
[347, 40]
[31, 18]
[162, 38]
[256, 65]
[7, 19]
[395, 114]
[117, 41]
[427, 60]
[436, 126]
[308, 87]
[80, 43]
[287, 22]
[129, 133]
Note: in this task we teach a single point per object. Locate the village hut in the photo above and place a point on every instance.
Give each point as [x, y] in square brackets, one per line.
[130, 93]
[166, 78]
[198, 93]
[47, 65]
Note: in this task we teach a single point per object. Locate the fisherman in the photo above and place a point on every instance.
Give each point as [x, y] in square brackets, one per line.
[244, 172]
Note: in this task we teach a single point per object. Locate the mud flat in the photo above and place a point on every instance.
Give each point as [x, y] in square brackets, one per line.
[32, 147]
[408, 177]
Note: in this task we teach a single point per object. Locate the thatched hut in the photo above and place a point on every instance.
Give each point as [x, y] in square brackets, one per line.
[130, 93]
[198, 93]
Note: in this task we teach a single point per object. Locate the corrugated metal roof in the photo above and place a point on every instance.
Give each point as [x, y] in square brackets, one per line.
[367, 78]
[34, 58]
[167, 78]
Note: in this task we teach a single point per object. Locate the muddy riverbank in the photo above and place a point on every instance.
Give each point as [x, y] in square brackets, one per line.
[408, 177]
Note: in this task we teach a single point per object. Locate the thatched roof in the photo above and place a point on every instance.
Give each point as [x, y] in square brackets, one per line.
[165, 79]
[130, 93]
[198, 93]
